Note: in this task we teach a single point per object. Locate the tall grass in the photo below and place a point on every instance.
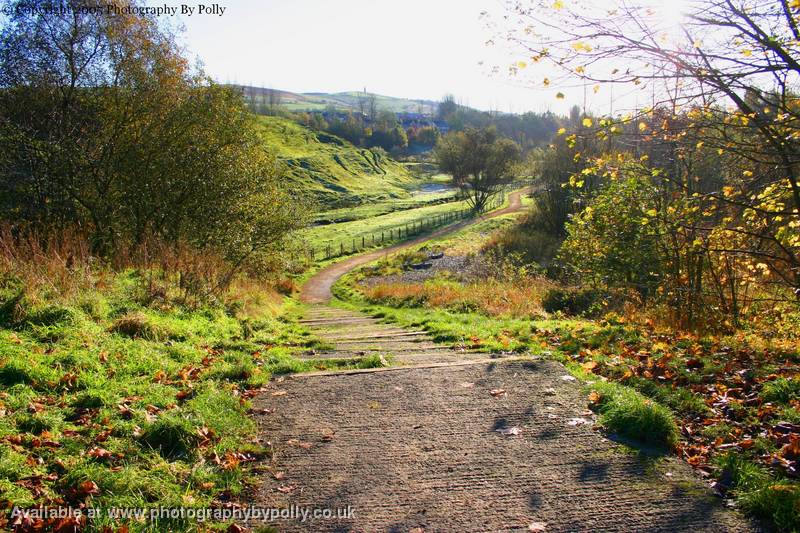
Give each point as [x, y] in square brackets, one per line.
[61, 265]
[520, 298]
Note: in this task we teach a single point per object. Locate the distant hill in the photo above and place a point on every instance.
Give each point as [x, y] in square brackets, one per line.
[331, 170]
[344, 101]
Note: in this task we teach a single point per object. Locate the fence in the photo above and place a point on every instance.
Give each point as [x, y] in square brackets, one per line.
[397, 233]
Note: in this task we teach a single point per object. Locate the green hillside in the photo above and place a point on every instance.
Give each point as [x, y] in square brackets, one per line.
[333, 171]
[346, 101]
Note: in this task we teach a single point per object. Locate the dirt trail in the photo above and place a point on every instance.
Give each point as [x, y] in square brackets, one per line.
[452, 440]
[318, 288]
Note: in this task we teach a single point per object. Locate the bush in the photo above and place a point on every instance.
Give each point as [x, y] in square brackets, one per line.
[629, 414]
[575, 301]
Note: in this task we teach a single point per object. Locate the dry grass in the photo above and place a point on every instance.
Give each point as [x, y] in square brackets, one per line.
[520, 298]
[60, 267]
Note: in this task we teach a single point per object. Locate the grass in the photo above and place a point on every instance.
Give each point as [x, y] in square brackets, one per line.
[330, 170]
[628, 413]
[376, 209]
[113, 400]
[757, 492]
[333, 234]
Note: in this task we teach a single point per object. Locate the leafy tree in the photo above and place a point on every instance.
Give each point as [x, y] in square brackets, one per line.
[721, 135]
[480, 162]
[104, 126]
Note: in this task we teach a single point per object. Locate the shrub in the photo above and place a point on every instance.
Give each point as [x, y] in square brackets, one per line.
[629, 414]
[575, 301]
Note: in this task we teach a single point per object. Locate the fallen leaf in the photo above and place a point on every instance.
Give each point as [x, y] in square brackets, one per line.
[497, 392]
[509, 431]
[537, 526]
[577, 421]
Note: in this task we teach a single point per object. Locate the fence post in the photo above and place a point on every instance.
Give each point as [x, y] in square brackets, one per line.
[354, 245]
[312, 255]
[341, 248]
[381, 236]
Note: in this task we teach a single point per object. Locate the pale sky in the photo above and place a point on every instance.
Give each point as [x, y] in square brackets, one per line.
[419, 49]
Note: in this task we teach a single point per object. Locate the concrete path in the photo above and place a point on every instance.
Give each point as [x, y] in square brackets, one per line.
[452, 440]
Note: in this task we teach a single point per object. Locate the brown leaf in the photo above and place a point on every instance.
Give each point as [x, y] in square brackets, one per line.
[497, 392]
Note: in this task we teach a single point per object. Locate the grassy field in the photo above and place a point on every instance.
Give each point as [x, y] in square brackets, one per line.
[332, 235]
[117, 396]
[375, 209]
[330, 170]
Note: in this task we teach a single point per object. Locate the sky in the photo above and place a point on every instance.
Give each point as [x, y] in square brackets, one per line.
[419, 49]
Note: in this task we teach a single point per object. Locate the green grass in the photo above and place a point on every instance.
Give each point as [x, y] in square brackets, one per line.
[757, 492]
[332, 235]
[627, 413]
[148, 403]
[375, 209]
[330, 170]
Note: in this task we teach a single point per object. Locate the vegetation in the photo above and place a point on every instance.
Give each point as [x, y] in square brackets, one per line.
[715, 400]
[104, 127]
[118, 391]
[480, 162]
[329, 169]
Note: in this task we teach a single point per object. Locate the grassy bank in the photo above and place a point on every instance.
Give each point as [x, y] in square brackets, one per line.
[117, 395]
[330, 170]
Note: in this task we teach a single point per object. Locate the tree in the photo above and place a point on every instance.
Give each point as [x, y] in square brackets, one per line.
[104, 126]
[721, 133]
[480, 162]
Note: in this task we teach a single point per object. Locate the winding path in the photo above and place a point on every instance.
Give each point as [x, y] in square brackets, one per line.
[318, 288]
[450, 440]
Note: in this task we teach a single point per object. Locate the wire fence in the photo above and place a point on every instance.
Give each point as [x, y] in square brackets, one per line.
[396, 234]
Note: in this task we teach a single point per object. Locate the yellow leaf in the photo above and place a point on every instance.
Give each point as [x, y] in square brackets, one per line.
[560, 96]
[596, 88]
[580, 46]
[747, 52]
[522, 64]
[562, 131]
[642, 126]
[587, 122]
[747, 174]
[546, 82]
[558, 4]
